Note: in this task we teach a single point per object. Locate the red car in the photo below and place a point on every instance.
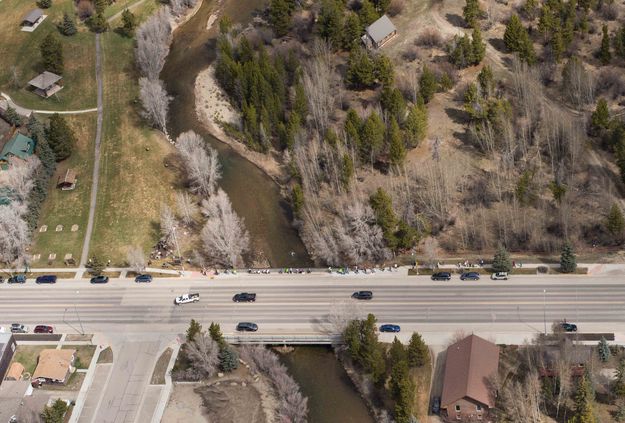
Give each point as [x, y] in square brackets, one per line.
[43, 329]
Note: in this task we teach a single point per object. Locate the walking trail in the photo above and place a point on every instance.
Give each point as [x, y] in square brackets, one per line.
[6, 101]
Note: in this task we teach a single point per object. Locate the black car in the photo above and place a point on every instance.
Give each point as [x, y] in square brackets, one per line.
[568, 327]
[17, 279]
[436, 405]
[46, 279]
[247, 327]
[362, 295]
[470, 276]
[441, 276]
[143, 278]
[100, 279]
[244, 297]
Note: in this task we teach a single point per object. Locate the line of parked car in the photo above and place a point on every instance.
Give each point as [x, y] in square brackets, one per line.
[469, 276]
[20, 328]
[38, 279]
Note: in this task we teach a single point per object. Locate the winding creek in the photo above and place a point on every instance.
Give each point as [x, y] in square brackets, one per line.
[254, 195]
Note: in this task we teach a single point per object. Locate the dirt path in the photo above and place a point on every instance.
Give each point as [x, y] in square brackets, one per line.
[23, 111]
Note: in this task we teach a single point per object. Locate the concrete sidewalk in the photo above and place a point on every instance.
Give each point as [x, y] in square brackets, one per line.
[6, 101]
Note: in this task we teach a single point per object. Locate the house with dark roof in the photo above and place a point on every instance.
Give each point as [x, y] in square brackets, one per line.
[379, 33]
[19, 147]
[32, 19]
[7, 349]
[469, 366]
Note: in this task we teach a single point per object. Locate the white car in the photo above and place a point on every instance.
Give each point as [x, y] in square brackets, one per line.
[499, 276]
[187, 298]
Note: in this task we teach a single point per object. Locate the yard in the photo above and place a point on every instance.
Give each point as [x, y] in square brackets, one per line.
[158, 376]
[27, 355]
[21, 58]
[84, 354]
[67, 208]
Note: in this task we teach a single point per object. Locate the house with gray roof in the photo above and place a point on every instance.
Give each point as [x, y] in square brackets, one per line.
[379, 33]
[31, 21]
[46, 84]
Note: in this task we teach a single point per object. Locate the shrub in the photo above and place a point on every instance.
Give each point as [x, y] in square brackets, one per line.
[429, 37]
[395, 7]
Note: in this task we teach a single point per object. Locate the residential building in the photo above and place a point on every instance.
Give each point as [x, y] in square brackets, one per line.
[469, 366]
[379, 33]
[54, 366]
[32, 20]
[7, 349]
[19, 147]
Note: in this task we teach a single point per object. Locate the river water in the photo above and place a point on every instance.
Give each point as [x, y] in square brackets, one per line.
[332, 398]
[254, 195]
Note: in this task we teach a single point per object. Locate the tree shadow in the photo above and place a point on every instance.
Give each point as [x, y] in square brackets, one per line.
[458, 116]
[456, 20]
[498, 44]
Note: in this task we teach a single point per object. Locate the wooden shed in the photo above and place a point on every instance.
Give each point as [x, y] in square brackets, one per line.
[15, 371]
[67, 182]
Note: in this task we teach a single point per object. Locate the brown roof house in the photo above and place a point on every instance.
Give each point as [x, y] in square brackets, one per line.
[54, 366]
[469, 365]
[67, 182]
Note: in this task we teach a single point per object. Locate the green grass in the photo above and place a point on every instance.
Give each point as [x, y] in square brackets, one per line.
[21, 49]
[68, 207]
[27, 355]
[133, 179]
[84, 354]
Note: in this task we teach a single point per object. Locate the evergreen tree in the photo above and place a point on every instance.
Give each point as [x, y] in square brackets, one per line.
[600, 118]
[382, 206]
[280, 16]
[129, 23]
[530, 9]
[501, 261]
[300, 103]
[60, 137]
[225, 25]
[381, 5]
[360, 69]
[604, 54]
[364, 348]
[618, 386]
[367, 13]
[98, 23]
[397, 150]
[52, 54]
[228, 359]
[214, 331]
[619, 42]
[402, 389]
[331, 138]
[55, 413]
[384, 71]
[615, 223]
[347, 171]
[352, 29]
[100, 5]
[486, 80]
[392, 102]
[461, 54]
[397, 352]
[330, 22]
[13, 117]
[604, 350]
[416, 125]
[478, 46]
[583, 409]
[44, 4]
[427, 84]
[372, 137]
[96, 266]
[418, 351]
[472, 13]
[67, 26]
[297, 199]
[352, 128]
[557, 45]
[193, 330]
[517, 40]
[568, 261]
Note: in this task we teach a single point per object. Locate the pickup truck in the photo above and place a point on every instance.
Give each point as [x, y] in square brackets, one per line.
[187, 298]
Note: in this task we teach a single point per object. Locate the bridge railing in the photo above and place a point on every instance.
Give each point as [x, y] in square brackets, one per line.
[285, 339]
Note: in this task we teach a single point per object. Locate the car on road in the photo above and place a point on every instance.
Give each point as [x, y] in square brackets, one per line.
[362, 295]
[46, 279]
[18, 328]
[441, 276]
[389, 328]
[499, 276]
[43, 329]
[470, 276]
[247, 327]
[436, 405]
[17, 279]
[568, 327]
[187, 298]
[244, 297]
[99, 279]
[143, 278]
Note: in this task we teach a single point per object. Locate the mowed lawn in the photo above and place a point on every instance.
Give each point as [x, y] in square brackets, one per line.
[134, 181]
[68, 208]
[21, 50]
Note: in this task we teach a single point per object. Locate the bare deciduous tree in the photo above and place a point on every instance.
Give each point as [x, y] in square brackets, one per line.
[577, 83]
[224, 235]
[203, 355]
[155, 101]
[14, 235]
[168, 224]
[186, 208]
[343, 312]
[177, 7]
[153, 38]
[521, 400]
[201, 163]
[430, 249]
[19, 177]
[136, 259]
[319, 78]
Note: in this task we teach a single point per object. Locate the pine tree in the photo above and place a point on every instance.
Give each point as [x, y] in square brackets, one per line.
[52, 54]
[129, 23]
[351, 31]
[397, 150]
[100, 5]
[619, 42]
[397, 352]
[604, 350]
[501, 261]
[367, 13]
[347, 171]
[418, 351]
[297, 199]
[416, 124]
[98, 23]
[214, 331]
[60, 137]
[384, 71]
[44, 4]
[13, 117]
[604, 52]
[478, 46]
[371, 137]
[360, 69]
[568, 262]
[330, 22]
[618, 386]
[583, 403]
[427, 84]
[530, 9]
[472, 13]
[392, 102]
[228, 359]
[600, 118]
[615, 222]
[67, 26]
[280, 17]
[517, 40]
[193, 330]
[382, 206]
[352, 128]
[486, 80]
[557, 45]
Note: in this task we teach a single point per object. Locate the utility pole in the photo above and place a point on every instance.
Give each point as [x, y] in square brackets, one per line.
[545, 309]
[178, 249]
[82, 330]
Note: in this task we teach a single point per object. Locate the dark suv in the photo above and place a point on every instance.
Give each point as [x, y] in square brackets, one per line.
[17, 279]
[568, 327]
[46, 279]
[441, 276]
[99, 279]
[247, 327]
[143, 278]
[244, 297]
[362, 295]
[470, 276]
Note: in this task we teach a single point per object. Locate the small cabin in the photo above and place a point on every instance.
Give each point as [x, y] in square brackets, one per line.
[32, 20]
[46, 84]
[379, 33]
[67, 181]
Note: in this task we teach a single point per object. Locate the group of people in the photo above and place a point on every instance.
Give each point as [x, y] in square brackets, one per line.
[366, 270]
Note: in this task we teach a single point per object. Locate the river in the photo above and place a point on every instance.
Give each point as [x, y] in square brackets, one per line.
[254, 195]
[332, 398]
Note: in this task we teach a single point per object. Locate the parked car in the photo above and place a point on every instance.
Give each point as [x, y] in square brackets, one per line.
[143, 278]
[17, 279]
[436, 405]
[499, 276]
[362, 295]
[46, 279]
[1, 279]
[247, 327]
[43, 329]
[244, 297]
[441, 276]
[568, 327]
[18, 328]
[470, 276]
[99, 279]
[187, 298]
[390, 328]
